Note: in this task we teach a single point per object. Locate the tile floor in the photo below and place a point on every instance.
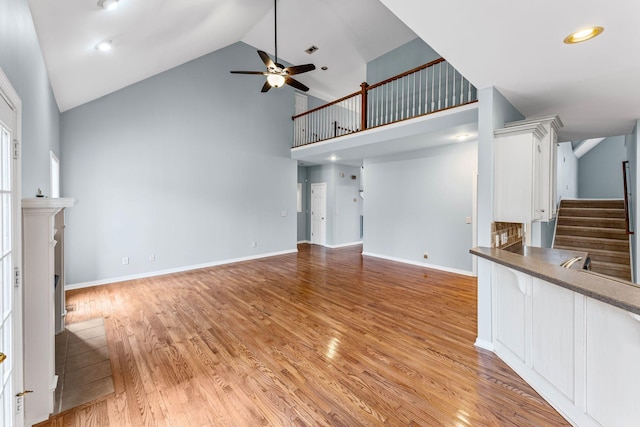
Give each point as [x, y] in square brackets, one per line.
[82, 364]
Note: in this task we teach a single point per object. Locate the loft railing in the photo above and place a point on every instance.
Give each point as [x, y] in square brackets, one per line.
[427, 89]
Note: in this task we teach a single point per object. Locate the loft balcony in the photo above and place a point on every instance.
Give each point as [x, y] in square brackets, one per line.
[433, 100]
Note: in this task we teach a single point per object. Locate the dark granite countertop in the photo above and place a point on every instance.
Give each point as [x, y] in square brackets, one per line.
[619, 293]
[553, 256]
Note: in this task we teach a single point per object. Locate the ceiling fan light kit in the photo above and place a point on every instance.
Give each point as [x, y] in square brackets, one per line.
[278, 75]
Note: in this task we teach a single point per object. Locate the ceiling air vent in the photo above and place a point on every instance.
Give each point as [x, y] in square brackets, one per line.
[311, 49]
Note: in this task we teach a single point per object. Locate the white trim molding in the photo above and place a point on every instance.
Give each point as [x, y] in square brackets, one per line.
[173, 270]
[343, 245]
[421, 264]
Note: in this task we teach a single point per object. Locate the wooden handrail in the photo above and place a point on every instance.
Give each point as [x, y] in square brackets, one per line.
[337, 101]
[626, 196]
[406, 73]
[368, 88]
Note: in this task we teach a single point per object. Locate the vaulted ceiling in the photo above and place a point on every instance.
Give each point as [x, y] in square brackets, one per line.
[515, 46]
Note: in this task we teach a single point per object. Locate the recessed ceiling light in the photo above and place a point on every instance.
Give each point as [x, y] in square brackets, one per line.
[583, 35]
[108, 4]
[104, 46]
[333, 158]
[462, 136]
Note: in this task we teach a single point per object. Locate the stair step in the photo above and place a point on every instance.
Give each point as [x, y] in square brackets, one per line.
[592, 212]
[610, 269]
[600, 255]
[606, 233]
[592, 222]
[593, 203]
[593, 243]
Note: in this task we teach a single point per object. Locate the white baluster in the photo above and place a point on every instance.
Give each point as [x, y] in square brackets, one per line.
[453, 90]
[433, 88]
[446, 86]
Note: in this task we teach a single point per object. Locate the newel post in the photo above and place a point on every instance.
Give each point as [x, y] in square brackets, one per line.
[363, 107]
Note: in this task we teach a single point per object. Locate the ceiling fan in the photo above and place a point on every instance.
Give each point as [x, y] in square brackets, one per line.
[277, 74]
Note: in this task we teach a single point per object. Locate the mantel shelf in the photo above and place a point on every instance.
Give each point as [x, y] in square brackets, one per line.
[54, 204]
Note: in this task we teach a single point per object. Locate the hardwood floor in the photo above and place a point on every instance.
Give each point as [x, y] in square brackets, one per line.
[321, 337]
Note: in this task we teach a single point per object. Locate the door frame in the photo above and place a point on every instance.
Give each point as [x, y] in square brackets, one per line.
[8, 92]
[315, 241]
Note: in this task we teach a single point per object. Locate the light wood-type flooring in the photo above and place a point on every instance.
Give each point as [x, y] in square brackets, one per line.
[324, 337]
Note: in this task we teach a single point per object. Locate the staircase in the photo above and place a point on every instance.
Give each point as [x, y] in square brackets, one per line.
[599, 228]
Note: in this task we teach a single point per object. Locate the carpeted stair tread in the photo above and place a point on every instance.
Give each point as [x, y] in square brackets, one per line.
[582, 221]
[593, 203]
[593, 212]
[607, 233]
[593, 243]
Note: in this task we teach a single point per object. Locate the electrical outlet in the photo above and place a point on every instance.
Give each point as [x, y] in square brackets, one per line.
[125, 260]
[254, 244]
[152, 257]
[468, 219]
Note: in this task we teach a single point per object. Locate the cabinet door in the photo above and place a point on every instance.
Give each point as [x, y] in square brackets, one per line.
[513, 179]
[510, 289]
[613, 365]
[553, 326]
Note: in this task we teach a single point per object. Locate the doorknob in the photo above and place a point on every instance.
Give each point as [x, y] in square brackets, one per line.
[3, 357]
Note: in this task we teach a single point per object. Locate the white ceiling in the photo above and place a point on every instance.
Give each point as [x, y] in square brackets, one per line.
[152, 36]
[518, 47]
[515, 46]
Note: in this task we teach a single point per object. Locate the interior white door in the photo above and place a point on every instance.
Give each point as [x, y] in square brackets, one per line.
[319, 214]
[8, 357]
[11, 378]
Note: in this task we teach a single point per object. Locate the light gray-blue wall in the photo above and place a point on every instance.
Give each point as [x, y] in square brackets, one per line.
[566, 172]
[408, 56]
[302, 217]
[21, 60]
[192, 165]
[418, 202]
[600, 170]
[343, 213]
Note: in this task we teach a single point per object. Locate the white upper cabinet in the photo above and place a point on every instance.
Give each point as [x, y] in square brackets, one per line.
[525, 170]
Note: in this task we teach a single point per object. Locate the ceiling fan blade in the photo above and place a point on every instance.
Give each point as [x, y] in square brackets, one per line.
[299, 69]
[266, 59]
[262, 73]
[266, 87]
[292, 82]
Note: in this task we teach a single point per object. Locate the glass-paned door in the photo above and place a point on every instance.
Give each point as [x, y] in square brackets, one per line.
[6, 268]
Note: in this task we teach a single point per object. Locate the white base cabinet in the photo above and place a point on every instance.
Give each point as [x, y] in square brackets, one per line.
[39, 269]
[580, 354]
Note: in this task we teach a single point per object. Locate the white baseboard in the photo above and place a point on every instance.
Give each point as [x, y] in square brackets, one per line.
[421, 264]
[343, 245]
[487, 345]
[301, 242]
[173, 270]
